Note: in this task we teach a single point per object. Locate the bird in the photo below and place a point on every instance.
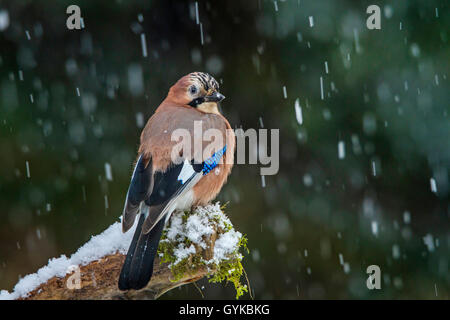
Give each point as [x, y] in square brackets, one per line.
[161, 183]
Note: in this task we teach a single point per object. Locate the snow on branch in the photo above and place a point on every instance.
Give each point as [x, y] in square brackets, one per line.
[197, 244]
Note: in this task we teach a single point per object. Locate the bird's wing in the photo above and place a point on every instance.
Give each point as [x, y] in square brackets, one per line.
[140, 188]
[170, 186]
[175, 183]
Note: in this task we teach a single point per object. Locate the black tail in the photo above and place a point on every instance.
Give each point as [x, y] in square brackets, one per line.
[138, 266]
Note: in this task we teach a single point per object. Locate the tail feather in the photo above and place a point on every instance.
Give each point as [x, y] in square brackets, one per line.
[138, 266]
[142, 264]
[124, 277]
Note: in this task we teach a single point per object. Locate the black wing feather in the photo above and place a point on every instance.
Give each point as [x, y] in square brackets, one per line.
[141, 186]
[166, 184]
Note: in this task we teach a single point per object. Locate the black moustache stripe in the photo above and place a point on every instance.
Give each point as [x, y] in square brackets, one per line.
[194, 103]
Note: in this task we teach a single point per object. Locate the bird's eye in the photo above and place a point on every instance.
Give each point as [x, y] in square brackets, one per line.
[193, 90]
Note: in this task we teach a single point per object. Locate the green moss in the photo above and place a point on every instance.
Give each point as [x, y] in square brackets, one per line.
[229, 270]
[232, 270]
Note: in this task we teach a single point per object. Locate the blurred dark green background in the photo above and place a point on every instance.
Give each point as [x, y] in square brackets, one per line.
[73, 102]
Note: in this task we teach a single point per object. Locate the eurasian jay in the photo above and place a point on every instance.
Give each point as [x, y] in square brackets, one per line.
[161, 184]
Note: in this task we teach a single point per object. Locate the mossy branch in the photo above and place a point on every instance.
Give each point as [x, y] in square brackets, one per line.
[194, 245]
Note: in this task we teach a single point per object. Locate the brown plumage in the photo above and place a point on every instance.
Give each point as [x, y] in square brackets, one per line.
[161, 183]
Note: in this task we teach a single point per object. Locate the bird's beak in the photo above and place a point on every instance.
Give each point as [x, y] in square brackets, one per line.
[215, 97]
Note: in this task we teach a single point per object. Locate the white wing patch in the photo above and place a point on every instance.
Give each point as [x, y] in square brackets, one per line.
[187, 171]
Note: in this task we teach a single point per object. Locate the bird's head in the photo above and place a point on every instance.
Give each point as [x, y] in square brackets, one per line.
[198, 90]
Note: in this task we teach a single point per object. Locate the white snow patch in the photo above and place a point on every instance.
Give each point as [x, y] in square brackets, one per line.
[110, 241]
[199, 225]
[181, 252]
[226, 245]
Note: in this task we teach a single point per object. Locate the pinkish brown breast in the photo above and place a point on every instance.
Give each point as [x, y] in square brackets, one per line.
[211, 184]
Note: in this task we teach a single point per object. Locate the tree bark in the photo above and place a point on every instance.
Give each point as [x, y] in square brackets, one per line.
[92, 272]
[98, 280]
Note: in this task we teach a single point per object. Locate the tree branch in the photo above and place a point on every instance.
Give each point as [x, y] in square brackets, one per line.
[194, 245]
[98, 280]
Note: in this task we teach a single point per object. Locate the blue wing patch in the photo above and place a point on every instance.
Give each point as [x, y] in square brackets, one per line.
[213, 161]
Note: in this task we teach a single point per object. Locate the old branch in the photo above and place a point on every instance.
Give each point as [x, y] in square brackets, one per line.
[194, 245]
[98, 280]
